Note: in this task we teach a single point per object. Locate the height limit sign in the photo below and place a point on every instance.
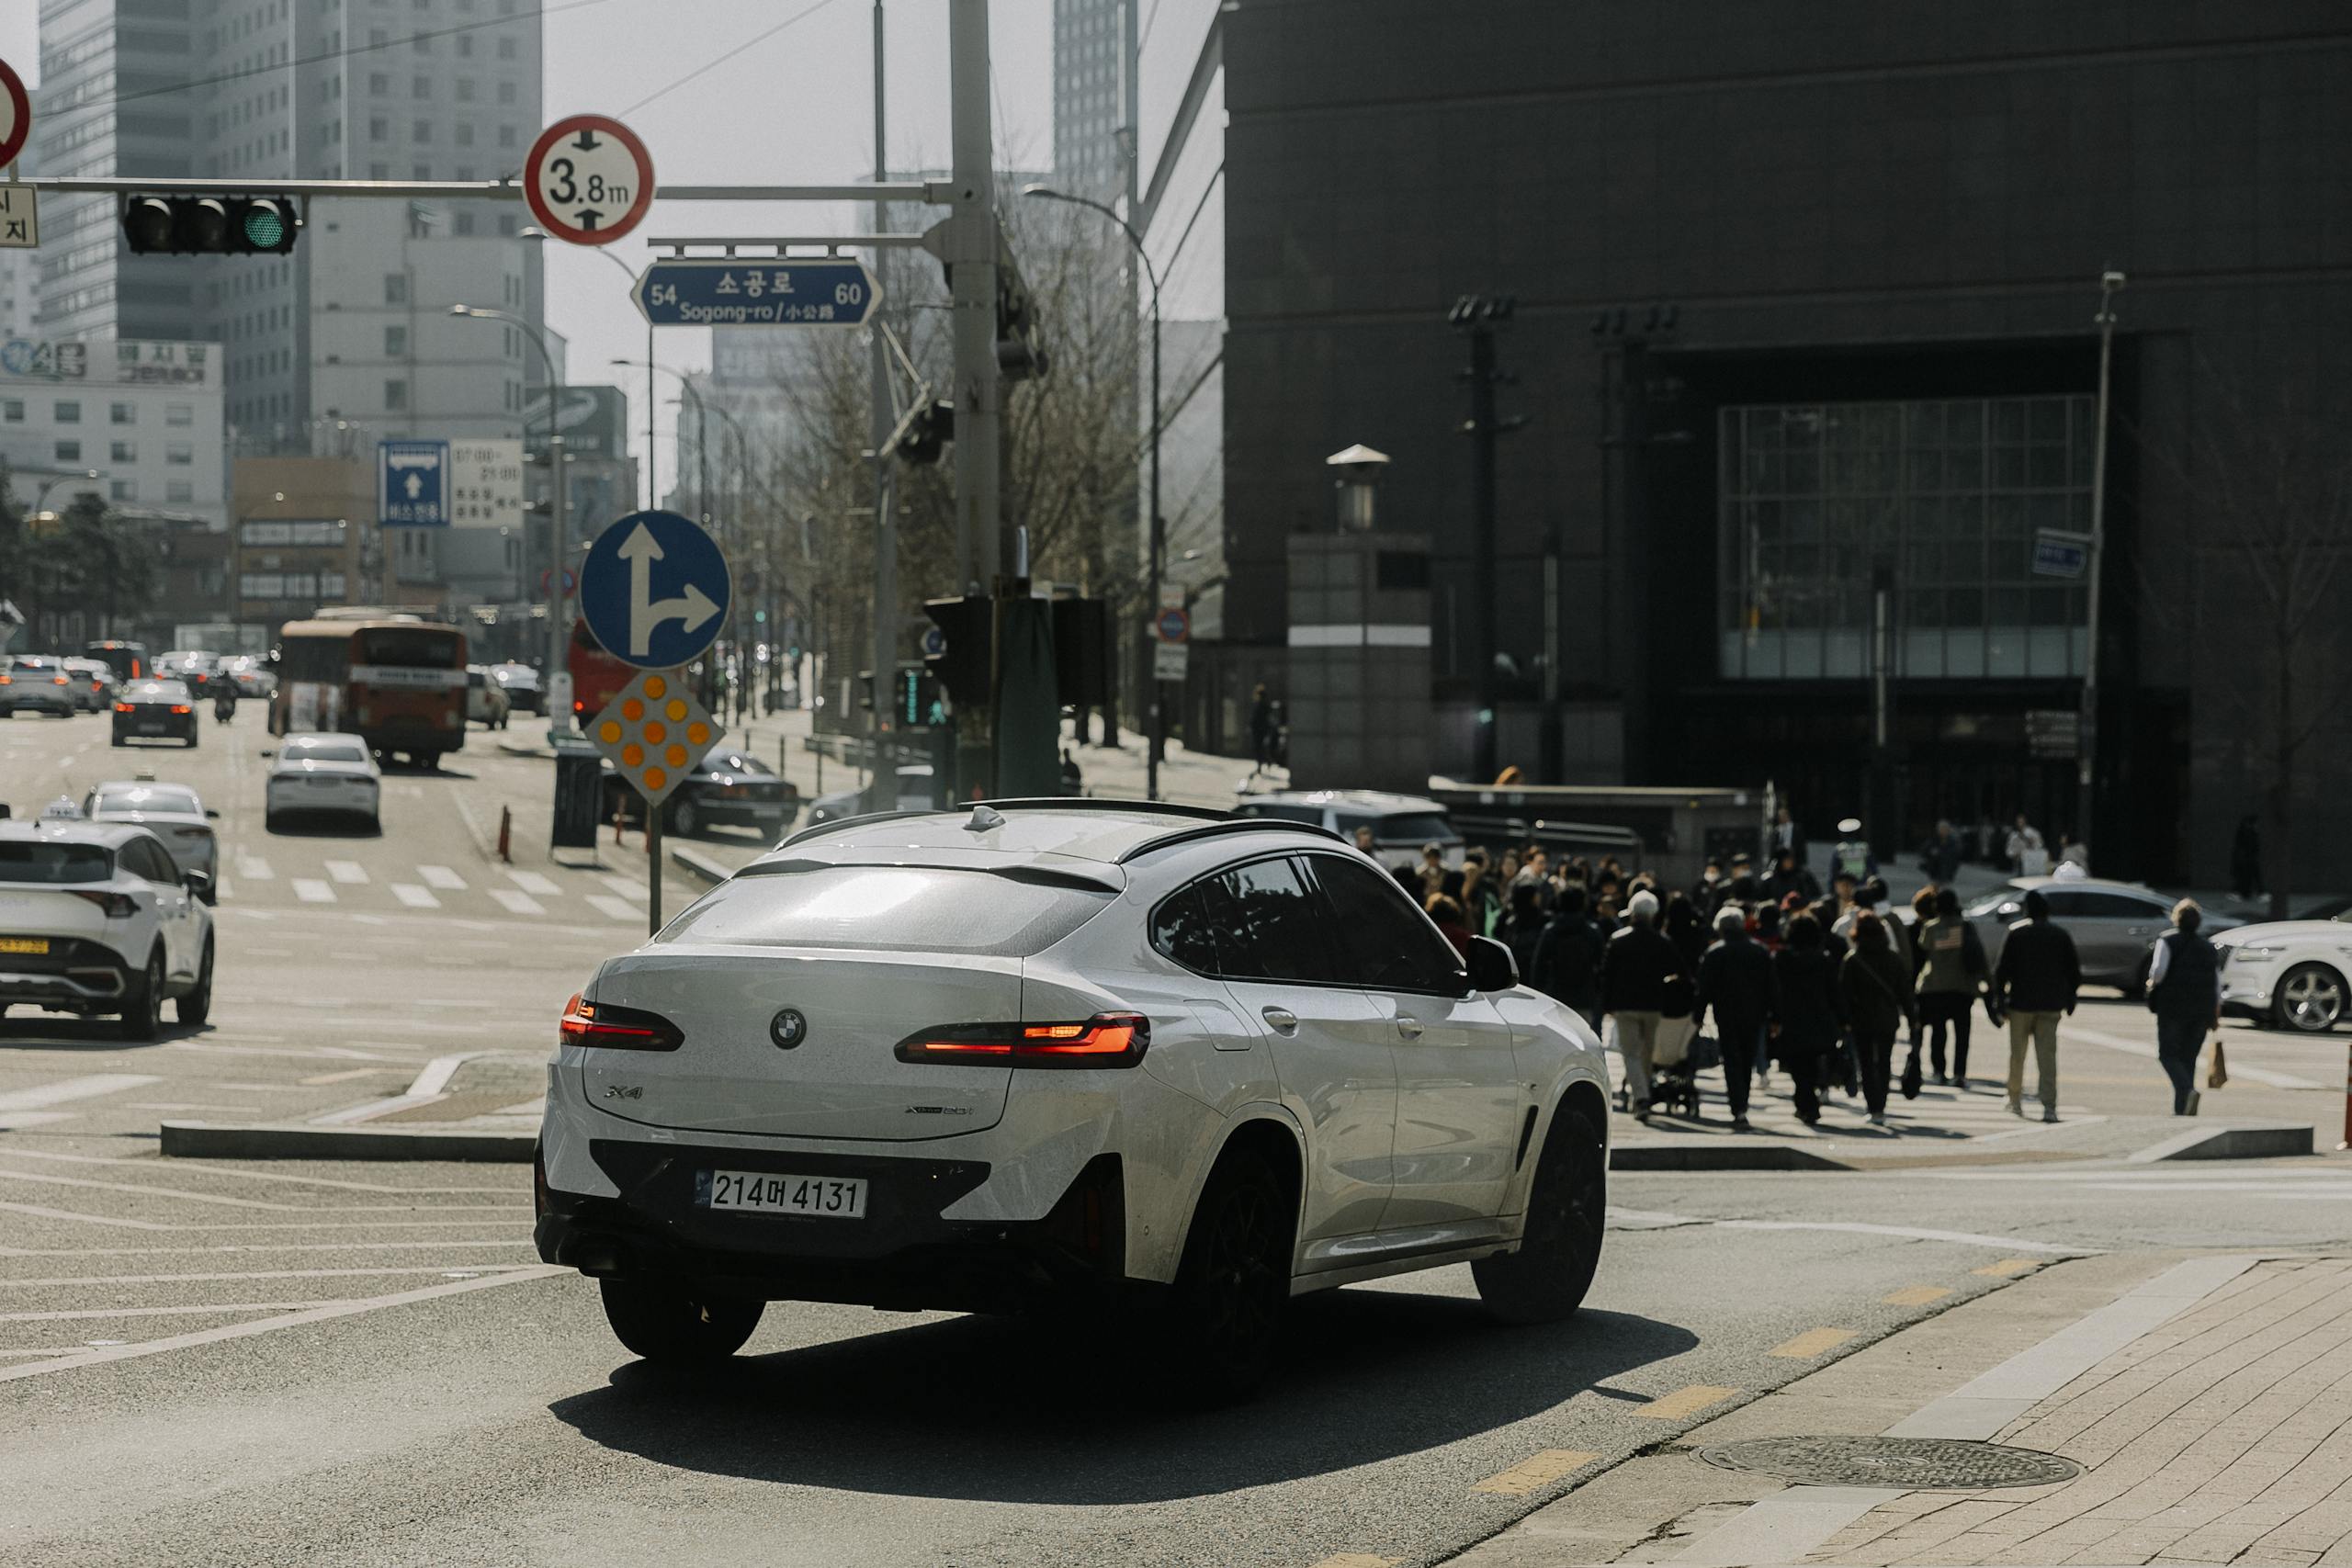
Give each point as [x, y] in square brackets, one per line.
[589, 179]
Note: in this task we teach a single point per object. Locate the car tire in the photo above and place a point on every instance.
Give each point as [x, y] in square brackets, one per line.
[2137, 988]
[670, 1326]
[1559, 1253]
[197, 1006]
[684, 819]
[2310, 999]
[142, 1004]
[118, 741]
[1225, 1312]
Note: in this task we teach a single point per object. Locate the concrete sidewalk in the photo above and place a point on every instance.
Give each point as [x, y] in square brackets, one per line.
[2206, 1400]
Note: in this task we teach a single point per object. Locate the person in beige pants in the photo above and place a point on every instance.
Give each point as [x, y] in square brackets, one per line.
[2035, 982]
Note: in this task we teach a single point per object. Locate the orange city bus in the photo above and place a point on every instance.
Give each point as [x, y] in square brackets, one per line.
[396, 682]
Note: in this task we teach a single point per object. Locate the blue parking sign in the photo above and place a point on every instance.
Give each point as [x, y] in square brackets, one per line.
[412, 484]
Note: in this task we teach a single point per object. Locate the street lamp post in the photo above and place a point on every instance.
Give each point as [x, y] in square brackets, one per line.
[2087, 741]
[559, 715]
[1159, 532]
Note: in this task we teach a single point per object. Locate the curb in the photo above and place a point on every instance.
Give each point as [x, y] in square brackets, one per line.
[215, 1140]
[700, 866]
[2232, 1140]
[1712, 1155]
[524, 748]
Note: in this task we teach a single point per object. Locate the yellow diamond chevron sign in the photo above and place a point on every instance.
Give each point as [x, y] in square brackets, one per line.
[655, 732]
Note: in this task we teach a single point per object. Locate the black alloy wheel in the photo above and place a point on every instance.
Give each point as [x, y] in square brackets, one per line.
[197, 1006]
[1559, 1252]
[1232, 1285]
[142, 1004]
[671, 1325]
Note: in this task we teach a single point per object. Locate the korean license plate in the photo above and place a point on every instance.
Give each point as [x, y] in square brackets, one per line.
[37, 946]
[825, 1197]
[152, 728]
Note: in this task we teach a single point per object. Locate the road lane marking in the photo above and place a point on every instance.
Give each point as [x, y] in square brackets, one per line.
[347, 871]
[441, 876]
[470, 1264]
[624, 887]
[2009, 1268]
[81, 1315]
[1358, 1560]
[518, 903]
[618, 909]
[247, 1247]
[1857, 1228]
[532, 882]
[313, 1314]
[1813, 1342]
[310, 890]
[1684, 1401]
[1916, 1295]
[346, 1077]
[1534, 1474]
[253, 869]
[38, 1212]
[2136, 1048]
[246, 1173]
[415, 898]
[25, 1108]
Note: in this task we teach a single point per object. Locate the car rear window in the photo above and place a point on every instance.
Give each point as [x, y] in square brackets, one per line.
[869, 908]
[55, 863]
[324, 751]
[1424, 826]
[146, 799]
[159, 692]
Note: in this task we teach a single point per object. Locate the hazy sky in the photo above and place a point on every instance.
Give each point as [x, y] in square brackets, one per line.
[795, 107]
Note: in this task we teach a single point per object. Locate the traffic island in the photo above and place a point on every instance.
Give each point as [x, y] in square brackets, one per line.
[481, 1105]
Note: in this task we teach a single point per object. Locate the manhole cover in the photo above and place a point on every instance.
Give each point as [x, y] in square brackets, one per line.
[1911, 1463]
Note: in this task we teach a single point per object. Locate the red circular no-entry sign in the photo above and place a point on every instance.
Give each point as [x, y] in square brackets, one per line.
[15, 114]
[589, 179]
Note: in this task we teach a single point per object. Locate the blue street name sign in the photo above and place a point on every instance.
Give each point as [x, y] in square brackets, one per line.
[654, 589]
[412, 484]
[2059, 553]
[702, 291]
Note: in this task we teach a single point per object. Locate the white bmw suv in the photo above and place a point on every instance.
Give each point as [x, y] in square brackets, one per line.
[1064, 1050]
[96, 919]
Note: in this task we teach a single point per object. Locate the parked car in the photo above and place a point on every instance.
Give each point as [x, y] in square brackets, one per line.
[92, 685]
[521, 685]
[154, 710]
[172, 812]
[2290, 974]
[913, 795]
[731, 788]
[96, 919]
[1134, 1062]
[323, 772]
[2113, 923]
[485, 698]
[37, 683]
[1401, 824]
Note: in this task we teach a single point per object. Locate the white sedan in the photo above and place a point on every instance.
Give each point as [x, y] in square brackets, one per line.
[2291, 974]
[323, 772]
[1101, 1055]
[174, 813]
[96, 918]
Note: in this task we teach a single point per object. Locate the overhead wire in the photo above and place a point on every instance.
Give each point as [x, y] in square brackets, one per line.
[718, 61]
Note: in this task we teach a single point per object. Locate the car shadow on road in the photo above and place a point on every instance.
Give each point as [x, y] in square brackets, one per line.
[992, 1410]
[63, 1031]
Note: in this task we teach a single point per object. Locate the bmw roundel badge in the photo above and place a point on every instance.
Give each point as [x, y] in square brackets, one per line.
[788, 1029]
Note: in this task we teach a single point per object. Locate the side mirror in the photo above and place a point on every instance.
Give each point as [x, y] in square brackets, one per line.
[212, 814]
[1492, 967]
[267, 751]
[198, 882]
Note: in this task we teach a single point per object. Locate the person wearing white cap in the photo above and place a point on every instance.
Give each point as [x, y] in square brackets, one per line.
[1634, 970]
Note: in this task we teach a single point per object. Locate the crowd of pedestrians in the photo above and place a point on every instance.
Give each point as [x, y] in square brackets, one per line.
[1764, 969]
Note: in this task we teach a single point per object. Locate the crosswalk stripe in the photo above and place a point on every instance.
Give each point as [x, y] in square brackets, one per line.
[441, 876]
[310, 890]
[624, 886]
[532, 882]
[347, 871]
[415, 898]
[618, 909]
[518, 903]
[253, 869]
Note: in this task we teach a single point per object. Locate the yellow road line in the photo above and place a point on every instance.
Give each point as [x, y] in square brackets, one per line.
[1685, 1402]
[2009, 1268]
[1534, 1474]
[1811, 1342]
[1916, 1295]
[1358, 1560]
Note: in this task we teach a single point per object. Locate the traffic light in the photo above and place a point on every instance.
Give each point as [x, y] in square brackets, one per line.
[218, 225]
[961, 669]
[915, 703]
[922, 435]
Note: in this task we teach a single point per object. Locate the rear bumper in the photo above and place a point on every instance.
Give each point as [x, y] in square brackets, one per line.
[900, 1255]
[746, 813]
[83, 986]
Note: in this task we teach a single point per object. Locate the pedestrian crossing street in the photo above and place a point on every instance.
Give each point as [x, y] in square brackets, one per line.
[256, 883]
[1979, 1113]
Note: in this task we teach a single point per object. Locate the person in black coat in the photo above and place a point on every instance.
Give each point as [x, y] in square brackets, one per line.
[1567, 958]
[1789, 876]
[2185, 993]
[1808, 1017]
[2036, 980]
[1736, 981]
[1522, 926]
[1634, 970]
[1875, 985]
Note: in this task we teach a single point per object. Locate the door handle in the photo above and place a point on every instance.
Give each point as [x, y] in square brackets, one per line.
[1408, 1026]
[1285, 1020]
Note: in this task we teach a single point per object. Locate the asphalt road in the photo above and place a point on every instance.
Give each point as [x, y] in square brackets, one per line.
[240, 1362]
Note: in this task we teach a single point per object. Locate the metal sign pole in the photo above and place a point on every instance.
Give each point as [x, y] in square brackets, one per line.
[652, 868]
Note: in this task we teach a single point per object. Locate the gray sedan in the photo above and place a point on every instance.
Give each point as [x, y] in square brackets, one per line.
[2113, 923]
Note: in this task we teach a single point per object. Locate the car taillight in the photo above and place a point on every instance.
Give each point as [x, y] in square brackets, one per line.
[180, 708]
[579, 705]
[118, 906]
[616, 1028]
[8, 679]
[57, 681]
[1106, 1039]
[97, 685]
[122, 708]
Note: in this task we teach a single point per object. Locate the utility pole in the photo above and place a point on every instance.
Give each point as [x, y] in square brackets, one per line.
[886, 532]
[971, 255]
[1479, 317]
[2086, 746]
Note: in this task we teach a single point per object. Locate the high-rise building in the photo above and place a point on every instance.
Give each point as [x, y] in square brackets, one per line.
[325, 89]
[1093, 44]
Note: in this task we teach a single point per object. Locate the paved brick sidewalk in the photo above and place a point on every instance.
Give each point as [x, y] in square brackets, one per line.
[2223, 1435]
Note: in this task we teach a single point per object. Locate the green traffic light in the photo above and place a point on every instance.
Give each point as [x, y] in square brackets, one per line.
[264, 227]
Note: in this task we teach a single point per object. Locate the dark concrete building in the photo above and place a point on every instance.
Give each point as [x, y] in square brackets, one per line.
[1806, 299]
